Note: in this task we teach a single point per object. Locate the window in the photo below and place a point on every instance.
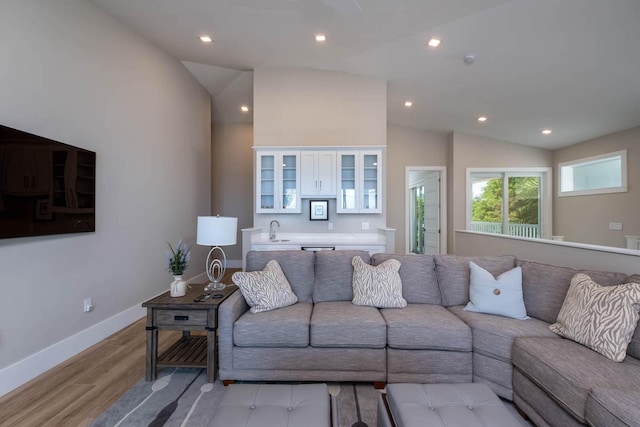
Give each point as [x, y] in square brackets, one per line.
[513, 202]
[606, 173]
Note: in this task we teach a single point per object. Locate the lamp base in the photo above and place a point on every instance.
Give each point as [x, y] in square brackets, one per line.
[214, 286]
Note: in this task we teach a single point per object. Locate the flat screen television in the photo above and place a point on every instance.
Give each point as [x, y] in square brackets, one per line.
[46, 187]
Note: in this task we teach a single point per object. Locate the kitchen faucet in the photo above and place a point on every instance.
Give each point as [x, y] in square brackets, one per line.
[272, 229]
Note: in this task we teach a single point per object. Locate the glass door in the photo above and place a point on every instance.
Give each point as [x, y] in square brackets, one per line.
[417, 220]
[506, 203]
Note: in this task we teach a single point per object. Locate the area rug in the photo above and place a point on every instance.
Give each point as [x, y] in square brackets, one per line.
[183, 398]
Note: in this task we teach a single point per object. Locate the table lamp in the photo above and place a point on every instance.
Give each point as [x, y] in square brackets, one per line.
[216, 231]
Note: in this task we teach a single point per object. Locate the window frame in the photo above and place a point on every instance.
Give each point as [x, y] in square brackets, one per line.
[623, 188]
[546, 192]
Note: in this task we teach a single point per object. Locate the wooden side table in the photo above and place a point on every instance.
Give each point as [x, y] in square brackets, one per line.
[183, 314]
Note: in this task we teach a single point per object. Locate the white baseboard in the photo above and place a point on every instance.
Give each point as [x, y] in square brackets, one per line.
[19, 373]
[13, 376]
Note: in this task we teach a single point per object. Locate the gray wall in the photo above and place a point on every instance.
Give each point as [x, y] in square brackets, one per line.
[469, 151]
[408, 147]
[586, 219]
[70, 72]
[545, 251]
[232, 178]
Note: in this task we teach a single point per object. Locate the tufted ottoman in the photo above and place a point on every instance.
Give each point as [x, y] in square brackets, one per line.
[275, 405]
[439, 405]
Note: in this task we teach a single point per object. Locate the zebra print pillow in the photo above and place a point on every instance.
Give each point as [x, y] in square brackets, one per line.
[602, 318]
[378, 286]
[267, 289]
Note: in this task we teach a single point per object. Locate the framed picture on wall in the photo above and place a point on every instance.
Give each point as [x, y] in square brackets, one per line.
[319, 210]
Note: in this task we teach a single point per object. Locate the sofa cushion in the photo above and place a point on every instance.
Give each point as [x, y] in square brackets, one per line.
[298, 267]
[284, 327]
[613, 408]
[493, 338]
[265, 290]
[428, 366]
[426, 327]
[377, 286]
[602, 318]
[493, 335]
[453, 274]
[545, 286]
[342, 324]
[500, 295]
[567, 371]
[418, 275]
[334, 275]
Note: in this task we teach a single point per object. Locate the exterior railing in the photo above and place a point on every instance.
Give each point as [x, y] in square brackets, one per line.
[519, 230]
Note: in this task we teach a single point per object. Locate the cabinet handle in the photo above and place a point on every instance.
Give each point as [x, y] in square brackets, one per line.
[320, 185]
[180, 317]
[316, 183]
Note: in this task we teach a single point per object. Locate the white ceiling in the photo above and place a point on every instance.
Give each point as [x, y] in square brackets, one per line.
[569, 65]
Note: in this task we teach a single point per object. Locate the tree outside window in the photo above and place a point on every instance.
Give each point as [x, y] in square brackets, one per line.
[522, 204]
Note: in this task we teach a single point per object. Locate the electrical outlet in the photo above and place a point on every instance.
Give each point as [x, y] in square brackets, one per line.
[88, 305]
[615, 226]
[330, 226]
[365, 225]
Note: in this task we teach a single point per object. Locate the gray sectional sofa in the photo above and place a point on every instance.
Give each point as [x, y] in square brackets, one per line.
[324, 337]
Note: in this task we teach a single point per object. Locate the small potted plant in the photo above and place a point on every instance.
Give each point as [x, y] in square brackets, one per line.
[177, 262]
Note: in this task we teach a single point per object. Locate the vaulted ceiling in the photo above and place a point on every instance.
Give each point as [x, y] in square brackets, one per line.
[572, 66]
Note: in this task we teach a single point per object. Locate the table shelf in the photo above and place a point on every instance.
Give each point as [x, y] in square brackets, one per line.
[187, 352]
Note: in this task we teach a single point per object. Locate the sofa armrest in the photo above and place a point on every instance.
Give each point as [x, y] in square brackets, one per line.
[228, 312]
[613, 408]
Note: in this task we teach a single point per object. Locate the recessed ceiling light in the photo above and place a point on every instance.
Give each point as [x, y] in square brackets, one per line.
[482, 118]
[205, 39]
[546, 131]
[244, 108]
[321, 38]
[408, 104]
[434, 42]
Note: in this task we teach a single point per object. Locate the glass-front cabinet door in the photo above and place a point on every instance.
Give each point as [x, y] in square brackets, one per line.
[290, 182]
[371, 180]
[359, 182]
[278, 182]
[266, 183]
[347, 178]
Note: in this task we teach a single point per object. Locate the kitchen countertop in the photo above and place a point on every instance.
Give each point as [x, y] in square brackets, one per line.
[308, 239]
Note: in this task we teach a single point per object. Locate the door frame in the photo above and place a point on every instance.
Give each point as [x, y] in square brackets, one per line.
[443, 205]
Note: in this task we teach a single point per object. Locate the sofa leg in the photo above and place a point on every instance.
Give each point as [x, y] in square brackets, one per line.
[228, 382]
[379, 385]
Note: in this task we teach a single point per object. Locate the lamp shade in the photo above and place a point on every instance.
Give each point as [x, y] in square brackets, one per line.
[217, 230]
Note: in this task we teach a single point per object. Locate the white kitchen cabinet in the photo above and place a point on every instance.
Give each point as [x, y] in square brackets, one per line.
[274, 247]
[359, 181]
[372, 249]
[278, 182]
[318, 173]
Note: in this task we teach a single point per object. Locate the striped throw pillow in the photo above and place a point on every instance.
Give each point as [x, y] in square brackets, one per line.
[267, 289]
[378, 286]
[602, 318]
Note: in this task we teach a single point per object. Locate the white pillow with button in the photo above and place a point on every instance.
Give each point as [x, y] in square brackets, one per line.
[500, 295]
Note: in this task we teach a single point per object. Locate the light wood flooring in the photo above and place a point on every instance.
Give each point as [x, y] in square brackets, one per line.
[75, 392]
